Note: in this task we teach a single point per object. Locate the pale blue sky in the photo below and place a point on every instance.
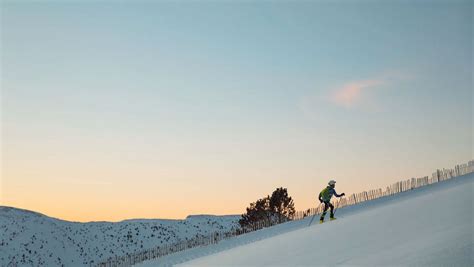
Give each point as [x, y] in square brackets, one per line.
[207, 94]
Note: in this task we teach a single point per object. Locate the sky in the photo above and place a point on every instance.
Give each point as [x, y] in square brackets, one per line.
[147, 109]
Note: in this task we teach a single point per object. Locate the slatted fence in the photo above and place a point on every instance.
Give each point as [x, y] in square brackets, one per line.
[353, 199]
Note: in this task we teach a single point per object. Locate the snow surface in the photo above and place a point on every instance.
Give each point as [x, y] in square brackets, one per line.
[31, 239]
[429, 226]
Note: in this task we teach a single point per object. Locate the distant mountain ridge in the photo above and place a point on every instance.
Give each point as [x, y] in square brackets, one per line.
[33, 239]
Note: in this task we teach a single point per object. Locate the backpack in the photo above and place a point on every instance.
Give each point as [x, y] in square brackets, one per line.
[325, 194]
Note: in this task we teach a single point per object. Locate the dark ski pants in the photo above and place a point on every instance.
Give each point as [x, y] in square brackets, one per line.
[327, 205]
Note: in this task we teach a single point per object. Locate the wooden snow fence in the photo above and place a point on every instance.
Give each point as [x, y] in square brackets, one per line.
[353, 199]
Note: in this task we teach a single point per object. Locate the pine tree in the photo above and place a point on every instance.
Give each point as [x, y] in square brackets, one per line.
[282, 205]
[277, 208]
[258, 211]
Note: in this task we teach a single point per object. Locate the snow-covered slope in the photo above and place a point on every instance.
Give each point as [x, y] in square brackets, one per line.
[31, 239]
[429, 226]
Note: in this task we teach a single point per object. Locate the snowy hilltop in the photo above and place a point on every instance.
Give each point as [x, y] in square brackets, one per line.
[32, 239]
[428, 226]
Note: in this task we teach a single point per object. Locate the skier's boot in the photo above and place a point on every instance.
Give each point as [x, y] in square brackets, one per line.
[321, 219]
[332, 217]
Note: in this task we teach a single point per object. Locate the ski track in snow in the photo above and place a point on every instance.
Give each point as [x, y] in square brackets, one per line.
[428, 226]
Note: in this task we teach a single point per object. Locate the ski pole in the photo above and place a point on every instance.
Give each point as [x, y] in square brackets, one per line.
[314, 215]
[337, 206]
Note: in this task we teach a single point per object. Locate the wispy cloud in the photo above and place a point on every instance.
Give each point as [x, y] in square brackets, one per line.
[352, 93]
[356, 94]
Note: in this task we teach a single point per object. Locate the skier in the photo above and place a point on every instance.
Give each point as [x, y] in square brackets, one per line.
[325, 197]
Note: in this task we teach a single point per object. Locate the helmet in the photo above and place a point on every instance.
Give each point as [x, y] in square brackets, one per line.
[332, 182]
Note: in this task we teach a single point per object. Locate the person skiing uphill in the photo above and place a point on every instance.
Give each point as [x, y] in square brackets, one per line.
[325, 197]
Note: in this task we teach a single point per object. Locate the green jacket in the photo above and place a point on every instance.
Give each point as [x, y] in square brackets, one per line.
[327, 194]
